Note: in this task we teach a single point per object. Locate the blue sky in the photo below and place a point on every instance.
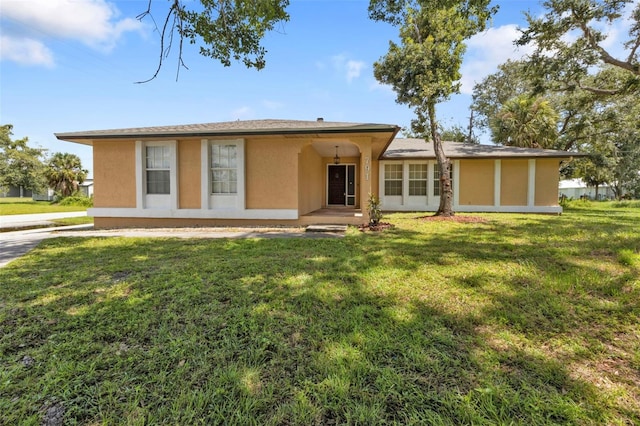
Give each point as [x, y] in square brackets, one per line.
[70, 65]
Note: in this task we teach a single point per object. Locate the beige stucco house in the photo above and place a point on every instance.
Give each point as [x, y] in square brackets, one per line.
[287, 172]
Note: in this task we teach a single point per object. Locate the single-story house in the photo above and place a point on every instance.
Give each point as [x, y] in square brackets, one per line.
[577, 188]
[15, 191]
[288, 172]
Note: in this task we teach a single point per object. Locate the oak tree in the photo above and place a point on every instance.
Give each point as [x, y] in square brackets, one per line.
[225, 30]
[20, 165]
[571, 38]
[424, 68]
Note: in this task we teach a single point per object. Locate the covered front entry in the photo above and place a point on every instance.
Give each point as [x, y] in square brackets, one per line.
[341, 185]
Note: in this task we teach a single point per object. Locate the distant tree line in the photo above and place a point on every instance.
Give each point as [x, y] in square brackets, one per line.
[33, 170]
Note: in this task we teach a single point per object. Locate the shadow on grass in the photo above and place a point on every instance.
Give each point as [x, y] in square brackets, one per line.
[404, 327]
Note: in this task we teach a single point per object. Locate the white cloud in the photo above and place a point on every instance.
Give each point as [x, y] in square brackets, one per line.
[25, 51]
[487, 50]
[95, 23]
[354, 69]
[350, 68]
[617, 32]
[272, 105]
[377, 86]
[495, 46]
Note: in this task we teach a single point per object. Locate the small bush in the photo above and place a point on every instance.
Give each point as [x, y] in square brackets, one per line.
[626, 203]
[77, 200]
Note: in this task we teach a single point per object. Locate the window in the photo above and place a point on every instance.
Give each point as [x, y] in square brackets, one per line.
[158, 169]
[417, 179]
[224, 169]
[436, 178]
[393, 179]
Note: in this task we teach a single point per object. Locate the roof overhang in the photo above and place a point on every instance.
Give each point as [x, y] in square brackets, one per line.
[315, 129]
[420, 149]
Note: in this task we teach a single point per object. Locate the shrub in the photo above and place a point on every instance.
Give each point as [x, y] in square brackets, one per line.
[76, 200]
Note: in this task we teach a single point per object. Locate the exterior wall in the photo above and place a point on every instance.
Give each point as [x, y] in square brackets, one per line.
[374, 185]
[476, 182]
[547, 178]
[514, 181]
[272, 173]
[114, 173]
[189, 182]
[15, 191]
[485, 185]
[310, 178]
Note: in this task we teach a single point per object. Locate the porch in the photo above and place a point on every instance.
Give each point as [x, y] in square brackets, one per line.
[333, 215]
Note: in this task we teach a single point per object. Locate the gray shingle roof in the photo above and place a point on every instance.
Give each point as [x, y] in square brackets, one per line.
[229, 128]
[400, 149]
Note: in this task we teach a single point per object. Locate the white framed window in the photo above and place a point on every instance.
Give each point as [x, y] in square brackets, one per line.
[418, 179]
[436, 178]
[223, 184]
[393, 179]
[224, 169]
[157, 169]
[156, 175]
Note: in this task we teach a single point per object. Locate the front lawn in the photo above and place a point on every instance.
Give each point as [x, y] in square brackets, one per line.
[11, 206]
[516, 320]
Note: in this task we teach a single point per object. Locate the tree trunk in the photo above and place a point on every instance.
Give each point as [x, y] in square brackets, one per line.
[446, 191]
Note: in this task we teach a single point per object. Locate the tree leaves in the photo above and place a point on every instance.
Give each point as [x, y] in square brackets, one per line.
[20, 165]
[64, 173]
[571, 38]
[225, 29]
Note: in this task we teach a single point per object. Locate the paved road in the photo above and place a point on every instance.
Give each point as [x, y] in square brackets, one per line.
[17, 243]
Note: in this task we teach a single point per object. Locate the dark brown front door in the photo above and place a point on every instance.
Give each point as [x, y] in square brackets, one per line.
[337, 181]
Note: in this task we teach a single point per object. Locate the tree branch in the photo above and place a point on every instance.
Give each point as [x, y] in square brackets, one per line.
[604, 55]
[175, 11]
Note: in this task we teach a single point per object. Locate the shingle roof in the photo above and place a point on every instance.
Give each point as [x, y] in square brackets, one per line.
[229, 128]
[419, 148]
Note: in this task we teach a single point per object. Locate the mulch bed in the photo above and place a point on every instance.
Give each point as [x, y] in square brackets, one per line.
[381, 226]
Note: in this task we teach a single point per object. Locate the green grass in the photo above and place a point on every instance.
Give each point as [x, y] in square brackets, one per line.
[67, 221]
[518, 320]
[11, 206]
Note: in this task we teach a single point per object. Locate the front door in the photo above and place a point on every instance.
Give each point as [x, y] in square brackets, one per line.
[337, 185]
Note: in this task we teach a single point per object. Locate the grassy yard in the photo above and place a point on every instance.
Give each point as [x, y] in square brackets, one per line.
[515, 320]
[11, 206]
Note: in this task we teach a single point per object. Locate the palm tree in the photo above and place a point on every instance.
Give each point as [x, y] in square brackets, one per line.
[64, 173]
[527, 122]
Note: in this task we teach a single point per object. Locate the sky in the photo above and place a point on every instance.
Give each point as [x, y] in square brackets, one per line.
[71, 65]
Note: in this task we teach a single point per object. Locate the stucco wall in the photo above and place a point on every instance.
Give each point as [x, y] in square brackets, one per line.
[476, 182]
[189, 185]
[374, 181]
[114, 173]
[547, 178]
[271, 173]
[310, 178]
[514, 179]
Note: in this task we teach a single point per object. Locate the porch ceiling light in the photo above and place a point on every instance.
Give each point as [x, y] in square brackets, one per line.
[336, 159]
